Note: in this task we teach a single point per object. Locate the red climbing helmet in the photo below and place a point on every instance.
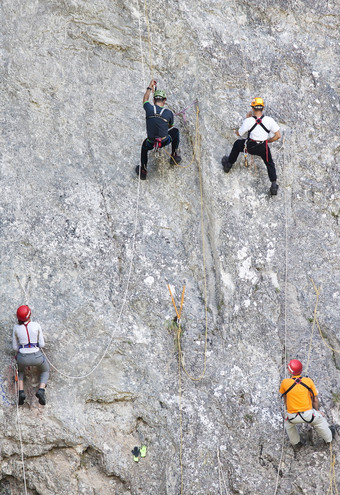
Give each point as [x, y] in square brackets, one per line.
[23, 313]
[295, 366]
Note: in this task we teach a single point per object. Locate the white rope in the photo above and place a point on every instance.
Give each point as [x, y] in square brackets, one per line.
[285, 302]
[20, 434]
[85, 375]
[25, 291]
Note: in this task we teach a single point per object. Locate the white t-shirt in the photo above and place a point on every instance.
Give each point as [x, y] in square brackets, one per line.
[20, 337]
[259, 134]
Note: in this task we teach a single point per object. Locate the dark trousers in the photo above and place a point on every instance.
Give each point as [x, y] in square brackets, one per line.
[147, 145]
[258, 149]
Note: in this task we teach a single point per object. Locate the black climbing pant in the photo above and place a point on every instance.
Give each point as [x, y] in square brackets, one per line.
[147, 145]
[258, 149]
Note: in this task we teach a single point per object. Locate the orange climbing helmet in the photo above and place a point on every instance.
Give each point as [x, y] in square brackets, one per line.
[295, 367]
[23, 313]
[257, 103]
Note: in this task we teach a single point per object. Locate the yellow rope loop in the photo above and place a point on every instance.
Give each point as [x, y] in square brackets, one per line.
[179, 332]
[251, 164]
[178, 313]
[332, 474]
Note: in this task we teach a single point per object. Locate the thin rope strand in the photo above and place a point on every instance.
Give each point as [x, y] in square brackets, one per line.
[285, 305]
[20, 434]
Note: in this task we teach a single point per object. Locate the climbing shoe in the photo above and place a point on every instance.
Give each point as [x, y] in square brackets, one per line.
[175, 158]
[41, 396]
[273, 189]
[143, 451]
[141, 172]
[333, 430]
[298, 446]
[135, 452]
[226, 164]
[22, 397]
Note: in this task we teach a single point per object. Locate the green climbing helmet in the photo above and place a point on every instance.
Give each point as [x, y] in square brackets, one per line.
[159, 94]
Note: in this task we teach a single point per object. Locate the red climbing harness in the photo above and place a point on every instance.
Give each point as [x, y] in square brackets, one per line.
[29, 344]
[157, 143]
[258, 121]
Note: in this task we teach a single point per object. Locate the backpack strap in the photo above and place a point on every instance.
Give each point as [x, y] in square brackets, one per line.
[157, 115]
[296, 382]
[258, 121]
[28, 335]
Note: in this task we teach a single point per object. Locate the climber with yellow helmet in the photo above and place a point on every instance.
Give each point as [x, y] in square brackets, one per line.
[259, 128]
[159, 127]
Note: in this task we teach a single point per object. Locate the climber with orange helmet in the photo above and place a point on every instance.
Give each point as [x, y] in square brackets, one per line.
[259, 128]
[302, 405]
[159, 128]
[27, 341]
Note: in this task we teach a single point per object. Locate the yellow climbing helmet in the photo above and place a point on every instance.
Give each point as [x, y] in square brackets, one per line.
[257, 102]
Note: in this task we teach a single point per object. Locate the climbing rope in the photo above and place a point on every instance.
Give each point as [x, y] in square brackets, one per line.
[140, 42]
[149, 38]
[194, 144]
[316, 320]
[221, 478]
[24, 290]
[314, 323]
[332, 475]
[178, 312]
[19, 426]
[125, 296]
[180, 366]
[178, 339]
[285, 302]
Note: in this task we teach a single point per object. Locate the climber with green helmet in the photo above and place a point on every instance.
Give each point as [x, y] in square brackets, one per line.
[159, 128]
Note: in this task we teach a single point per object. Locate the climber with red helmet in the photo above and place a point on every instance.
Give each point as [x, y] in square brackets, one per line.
[159, 128]
[27, 341]
[302, 405]
[259, 127]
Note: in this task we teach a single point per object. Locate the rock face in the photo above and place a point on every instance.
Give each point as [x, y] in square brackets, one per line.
[92, 250]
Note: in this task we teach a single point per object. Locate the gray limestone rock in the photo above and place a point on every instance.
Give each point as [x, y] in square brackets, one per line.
[92, 250]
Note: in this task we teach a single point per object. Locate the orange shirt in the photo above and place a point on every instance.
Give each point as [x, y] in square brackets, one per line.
[299, 398]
